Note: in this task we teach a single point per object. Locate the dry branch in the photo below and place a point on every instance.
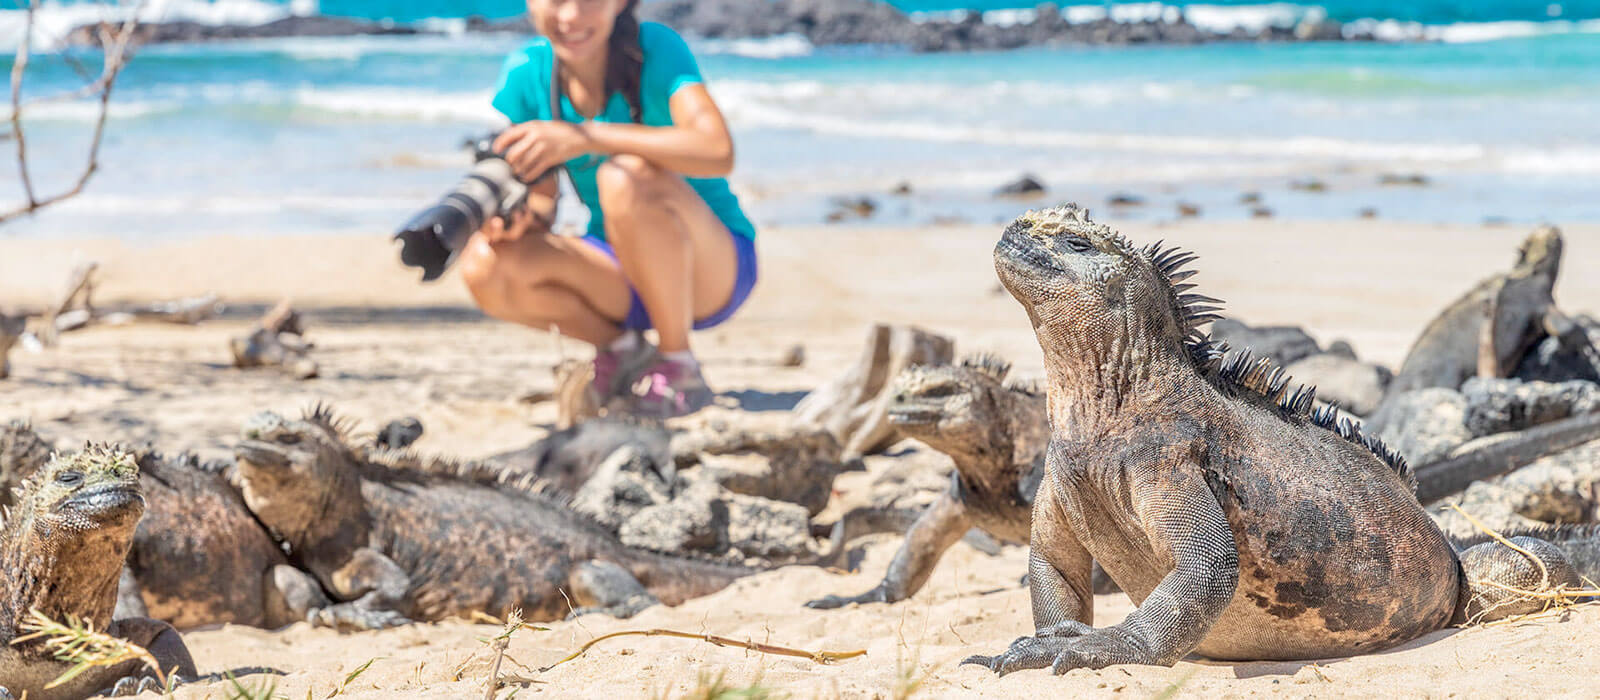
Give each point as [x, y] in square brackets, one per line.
[854, 406]
[276, 342]
[821, 657]
[114, 41]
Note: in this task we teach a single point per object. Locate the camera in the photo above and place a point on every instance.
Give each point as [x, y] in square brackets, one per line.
[432, 238]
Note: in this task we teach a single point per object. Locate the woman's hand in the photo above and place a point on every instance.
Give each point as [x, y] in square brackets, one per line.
[534, 147]
[498, 230]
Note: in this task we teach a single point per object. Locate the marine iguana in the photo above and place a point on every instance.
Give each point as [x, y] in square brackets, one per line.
[1244, 524]
[199, 557]
[995, 433]
[428, 540]
[61, 551]
[1486, 331]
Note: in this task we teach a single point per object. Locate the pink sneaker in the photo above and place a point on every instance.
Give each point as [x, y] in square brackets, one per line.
[671, 389]
[614, 371]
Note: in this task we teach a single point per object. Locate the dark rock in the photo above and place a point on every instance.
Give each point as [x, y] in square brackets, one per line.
[1125, 200]
[1355, 386]
[902, 189]
[1250, 198]
[1503, 405]
[400, 433]
[163, 32]
[1309, 185]
[1027, 186]
[1403, 179]
[1368, 213]
[1423, 426]
[849, 208]
[1187, 210]
[795, 356]
[1557, 359]
[1284, 344]
[622, 486]
[1261, 212]
[1342, 348]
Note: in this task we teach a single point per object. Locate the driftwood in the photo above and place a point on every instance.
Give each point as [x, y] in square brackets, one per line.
[276, 341]
[80, 283]
[574, 402]
[76, 308]
[853, 406]
[10, 331]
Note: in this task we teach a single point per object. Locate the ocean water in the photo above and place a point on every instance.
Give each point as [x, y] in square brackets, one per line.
[1496, 106]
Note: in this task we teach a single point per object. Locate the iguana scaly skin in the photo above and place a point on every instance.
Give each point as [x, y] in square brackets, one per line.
[61, 552]
[201, 558]
[394, 543]
[994, 433]
[1242, 523]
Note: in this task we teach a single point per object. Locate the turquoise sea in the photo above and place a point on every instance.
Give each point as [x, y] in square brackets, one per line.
[1496, 103]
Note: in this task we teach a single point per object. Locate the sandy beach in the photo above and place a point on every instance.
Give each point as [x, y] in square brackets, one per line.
[389, 346]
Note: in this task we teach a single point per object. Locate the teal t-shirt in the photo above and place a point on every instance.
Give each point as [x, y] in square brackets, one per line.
[524, 95]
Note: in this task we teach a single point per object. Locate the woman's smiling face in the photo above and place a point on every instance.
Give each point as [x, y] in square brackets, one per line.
[578, 30]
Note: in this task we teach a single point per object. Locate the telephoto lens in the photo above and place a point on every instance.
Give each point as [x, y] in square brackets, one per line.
[432, 238]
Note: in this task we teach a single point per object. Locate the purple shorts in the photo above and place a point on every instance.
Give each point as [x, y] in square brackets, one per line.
[744, 280]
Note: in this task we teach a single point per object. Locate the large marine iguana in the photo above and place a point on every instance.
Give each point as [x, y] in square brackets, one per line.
[428, 540]
[1245, 524]
[61, 551]
[994, 433]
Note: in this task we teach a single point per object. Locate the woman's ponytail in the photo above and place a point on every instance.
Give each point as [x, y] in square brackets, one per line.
[625, 61]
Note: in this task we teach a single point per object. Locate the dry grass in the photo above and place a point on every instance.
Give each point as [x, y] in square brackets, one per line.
[77, 642]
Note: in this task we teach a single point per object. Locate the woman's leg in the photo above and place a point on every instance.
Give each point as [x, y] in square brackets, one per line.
[548, 282]
[671, 246]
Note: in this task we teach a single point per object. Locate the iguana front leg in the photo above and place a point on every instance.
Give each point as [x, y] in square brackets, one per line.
[1186, 526]
[936, 530]
[379, 587]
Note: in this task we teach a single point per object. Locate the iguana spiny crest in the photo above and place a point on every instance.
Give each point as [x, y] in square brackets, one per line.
[1094, 275]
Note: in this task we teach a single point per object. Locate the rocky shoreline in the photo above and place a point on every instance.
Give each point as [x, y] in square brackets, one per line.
[822, 22]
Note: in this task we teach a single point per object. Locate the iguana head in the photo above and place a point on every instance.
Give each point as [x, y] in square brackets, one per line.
[966, 410]
[22, 452]
[63, 543]
[1083, 283]
[1541, 251]
[946, 404]
[294, 472]
[93, 494]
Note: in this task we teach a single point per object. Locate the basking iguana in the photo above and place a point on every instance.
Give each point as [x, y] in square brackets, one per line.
[199, 557]
[994, 433]
[428, 540]
[61, 552]
[1486, 331]
[1244, 524]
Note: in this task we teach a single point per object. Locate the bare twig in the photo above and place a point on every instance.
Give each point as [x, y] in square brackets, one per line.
[114, 49]
[821, 657]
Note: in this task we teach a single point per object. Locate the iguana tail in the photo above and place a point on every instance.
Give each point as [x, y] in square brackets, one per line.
[1502, 581]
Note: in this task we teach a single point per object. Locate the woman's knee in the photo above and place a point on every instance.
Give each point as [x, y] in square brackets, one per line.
[624, 178]
[481, 267]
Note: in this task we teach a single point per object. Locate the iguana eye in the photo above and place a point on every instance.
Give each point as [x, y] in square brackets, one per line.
[288, 439]
[69, 478]
[1079, 244]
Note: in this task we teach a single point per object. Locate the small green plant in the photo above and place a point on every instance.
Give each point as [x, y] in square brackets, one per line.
[717, 687]
[268, 690]
[352, 676]
[78, 643]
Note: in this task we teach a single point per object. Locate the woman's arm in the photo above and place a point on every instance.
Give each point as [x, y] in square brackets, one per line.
[696, 145]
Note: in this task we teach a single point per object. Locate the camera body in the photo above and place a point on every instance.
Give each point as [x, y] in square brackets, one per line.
[432, 239]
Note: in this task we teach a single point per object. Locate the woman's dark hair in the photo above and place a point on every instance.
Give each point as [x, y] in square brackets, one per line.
[625, 60]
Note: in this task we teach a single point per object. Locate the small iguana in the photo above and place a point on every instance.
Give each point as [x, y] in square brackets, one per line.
[427, 540]
[1244, 524]
[1486, 331]
[994, 433]
[61, 551]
